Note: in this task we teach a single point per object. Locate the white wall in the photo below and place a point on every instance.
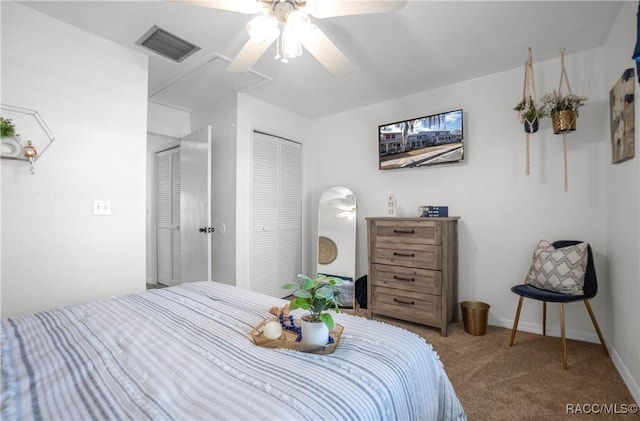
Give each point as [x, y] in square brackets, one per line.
[503, 211]
[254, 114]
[623, 221]
[93, 95]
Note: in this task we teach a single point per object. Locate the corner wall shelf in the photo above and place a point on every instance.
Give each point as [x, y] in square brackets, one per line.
[32, 135]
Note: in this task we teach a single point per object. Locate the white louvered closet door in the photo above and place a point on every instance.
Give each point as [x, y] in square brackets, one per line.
[276, 255]
[168, 216]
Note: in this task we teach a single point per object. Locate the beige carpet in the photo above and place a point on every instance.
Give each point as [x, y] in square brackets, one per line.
[525, 382]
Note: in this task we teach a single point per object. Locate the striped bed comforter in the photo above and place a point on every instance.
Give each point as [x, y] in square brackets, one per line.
[186, 353]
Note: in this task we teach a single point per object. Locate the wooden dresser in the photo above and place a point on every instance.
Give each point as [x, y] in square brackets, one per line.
[413, 269]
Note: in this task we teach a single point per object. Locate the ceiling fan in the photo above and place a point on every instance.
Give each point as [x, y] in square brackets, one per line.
[288, 22]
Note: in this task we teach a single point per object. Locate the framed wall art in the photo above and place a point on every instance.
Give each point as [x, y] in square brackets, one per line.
[622, 105]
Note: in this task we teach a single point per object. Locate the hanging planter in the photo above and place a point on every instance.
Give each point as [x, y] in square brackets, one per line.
[531, 127]
[564, 121]
[564, 112]
[529, 114]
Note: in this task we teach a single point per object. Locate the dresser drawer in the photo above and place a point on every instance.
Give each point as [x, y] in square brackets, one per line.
[423, 256]
[407, 305]
[408, 279]
[419, 232]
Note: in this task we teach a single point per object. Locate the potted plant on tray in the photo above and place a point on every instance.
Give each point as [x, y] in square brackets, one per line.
[563, 110]
[529, 114]
[317, 296]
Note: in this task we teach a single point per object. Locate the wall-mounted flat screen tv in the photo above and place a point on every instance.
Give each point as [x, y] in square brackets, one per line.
[428, 140]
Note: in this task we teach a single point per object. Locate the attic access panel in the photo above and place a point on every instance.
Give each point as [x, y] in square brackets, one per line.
[206, 83]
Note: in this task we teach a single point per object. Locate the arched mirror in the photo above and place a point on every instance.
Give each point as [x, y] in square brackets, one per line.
[337, 239]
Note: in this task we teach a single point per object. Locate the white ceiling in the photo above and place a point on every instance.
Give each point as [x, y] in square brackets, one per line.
[426, 45]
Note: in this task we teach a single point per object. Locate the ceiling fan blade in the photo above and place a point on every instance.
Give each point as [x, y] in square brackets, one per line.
[241, 6]
[330, 8]
[249, 54]
[325, 51]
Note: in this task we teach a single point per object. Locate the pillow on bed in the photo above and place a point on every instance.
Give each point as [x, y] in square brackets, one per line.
[559, 270]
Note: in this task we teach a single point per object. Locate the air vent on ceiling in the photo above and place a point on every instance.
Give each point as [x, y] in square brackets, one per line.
[167, 45]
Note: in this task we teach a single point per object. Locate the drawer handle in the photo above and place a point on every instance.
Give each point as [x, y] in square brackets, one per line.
[404, 302]
[404, 231]
[404, 254]
[399, 278]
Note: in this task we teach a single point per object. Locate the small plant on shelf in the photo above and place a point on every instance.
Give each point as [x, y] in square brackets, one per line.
[7, 128]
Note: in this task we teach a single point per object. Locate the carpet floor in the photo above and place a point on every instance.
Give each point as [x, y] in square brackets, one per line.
[526, 382]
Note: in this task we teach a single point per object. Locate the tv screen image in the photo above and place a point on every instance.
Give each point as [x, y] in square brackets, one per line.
[428, 140]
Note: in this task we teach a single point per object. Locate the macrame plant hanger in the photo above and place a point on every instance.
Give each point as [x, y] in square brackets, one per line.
[529, 100]
[563, 77]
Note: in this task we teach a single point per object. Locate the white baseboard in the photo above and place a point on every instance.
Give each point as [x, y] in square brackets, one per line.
[626, 375]
[578, 335]
[536, 328]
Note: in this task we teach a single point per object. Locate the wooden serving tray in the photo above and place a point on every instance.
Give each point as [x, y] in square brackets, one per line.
[288, 339]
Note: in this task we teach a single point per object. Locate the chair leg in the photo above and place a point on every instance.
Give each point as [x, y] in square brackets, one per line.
[515, 322]
[544, 318]
[595, 324]
[564, 338]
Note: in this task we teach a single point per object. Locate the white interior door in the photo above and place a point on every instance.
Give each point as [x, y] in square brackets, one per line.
[195, 206]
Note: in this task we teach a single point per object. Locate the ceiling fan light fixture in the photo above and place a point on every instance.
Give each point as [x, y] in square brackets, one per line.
[262, 28]
[299, 24]
[291, 47]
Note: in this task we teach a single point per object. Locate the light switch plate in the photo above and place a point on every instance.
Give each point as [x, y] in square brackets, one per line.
[102, 207]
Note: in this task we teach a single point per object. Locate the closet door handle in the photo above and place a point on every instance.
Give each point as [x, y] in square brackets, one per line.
[404, 302]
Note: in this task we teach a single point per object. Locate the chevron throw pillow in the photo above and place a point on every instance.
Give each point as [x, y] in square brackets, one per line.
[559, 270]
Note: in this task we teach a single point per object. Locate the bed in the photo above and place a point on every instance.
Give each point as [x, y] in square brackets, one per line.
[186, 352]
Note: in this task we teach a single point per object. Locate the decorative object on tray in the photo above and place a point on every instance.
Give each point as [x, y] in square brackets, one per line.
[317, 296]
[286, 332]
[327, 250]
[287, 339]
[621, 99]
[529, 113]
[564, 111]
